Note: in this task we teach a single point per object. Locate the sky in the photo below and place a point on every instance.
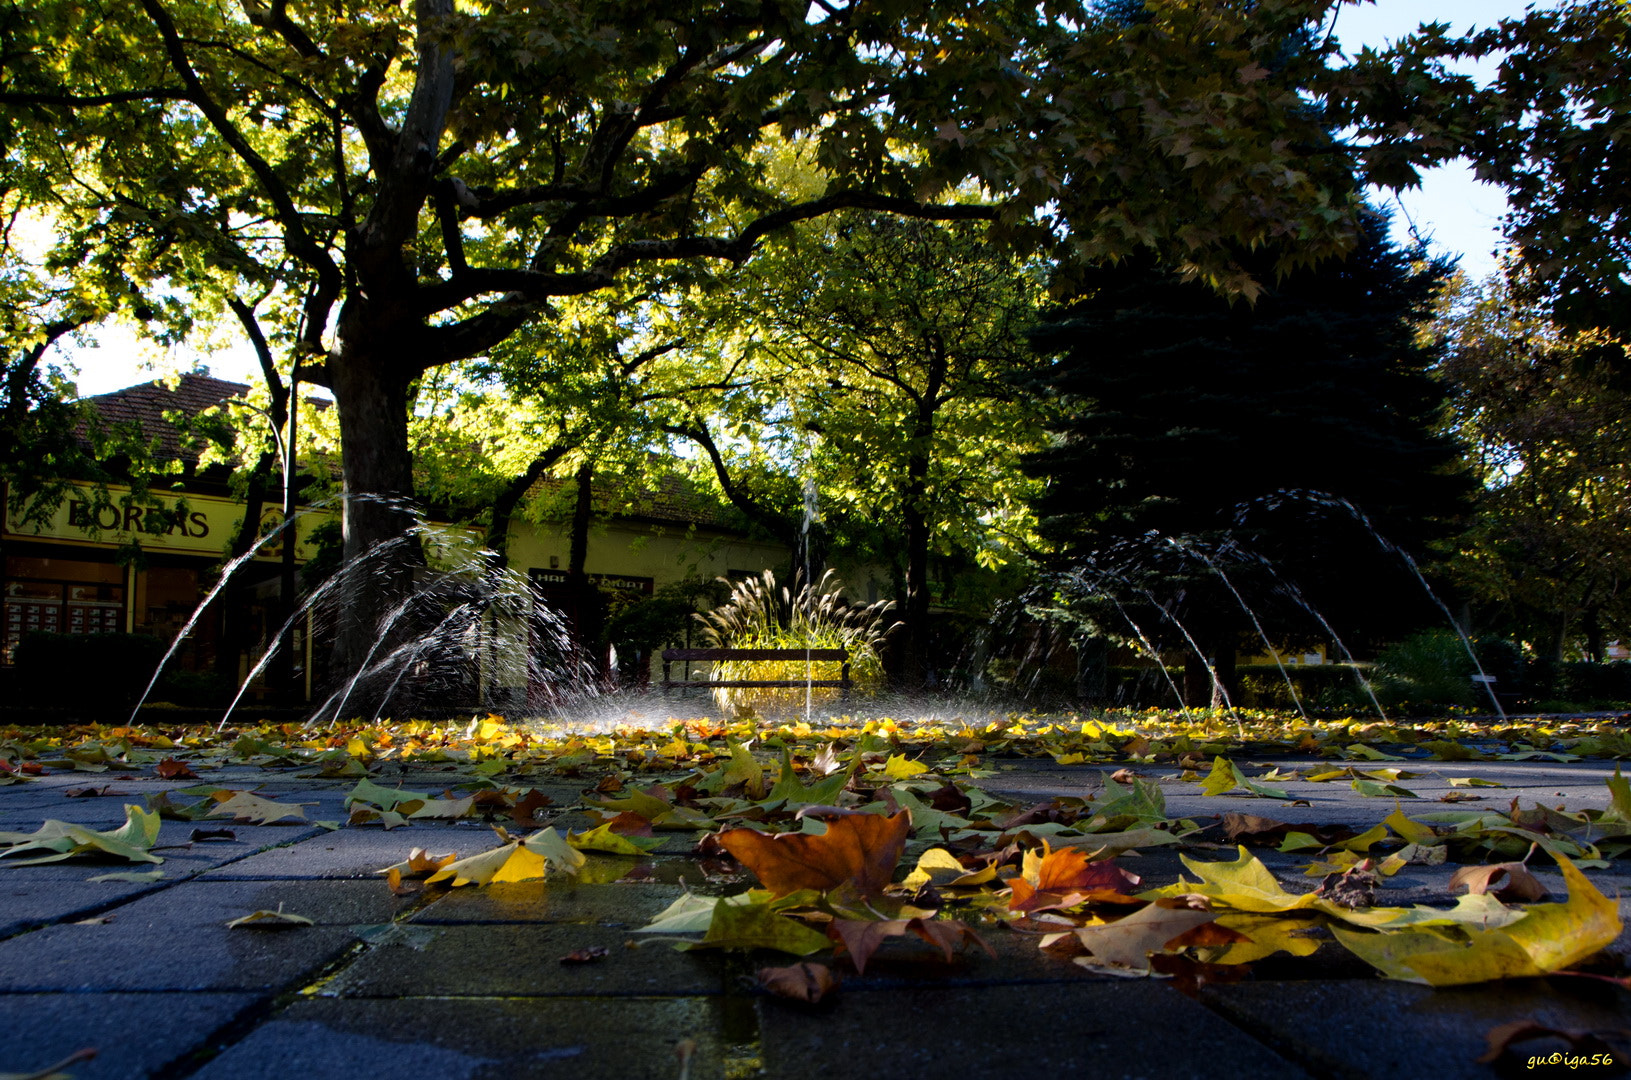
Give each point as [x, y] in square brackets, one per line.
[1452, 210]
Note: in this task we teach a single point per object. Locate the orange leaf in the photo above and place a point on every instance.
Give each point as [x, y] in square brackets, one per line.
[1070, 868]
[171, 769]
[861, 848]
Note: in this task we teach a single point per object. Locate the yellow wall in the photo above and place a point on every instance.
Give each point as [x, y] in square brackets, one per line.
[665, 554]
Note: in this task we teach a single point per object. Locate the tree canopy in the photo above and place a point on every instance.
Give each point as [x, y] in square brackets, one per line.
[1200, 434]
[415, 183]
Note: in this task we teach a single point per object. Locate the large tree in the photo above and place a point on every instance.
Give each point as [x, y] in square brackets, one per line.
[1553, 126]
[1543, 412]
[1203, 437]
[888, 352]
[418, 181]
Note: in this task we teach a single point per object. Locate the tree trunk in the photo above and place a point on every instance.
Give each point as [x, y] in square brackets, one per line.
[914, 669]
[381, 550]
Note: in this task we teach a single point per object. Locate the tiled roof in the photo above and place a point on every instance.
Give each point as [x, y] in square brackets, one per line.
[145, 406]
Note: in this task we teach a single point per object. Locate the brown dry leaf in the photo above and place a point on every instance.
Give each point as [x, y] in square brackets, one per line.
[1124, 776]
[1521, 886]
[1127, 943]
[859, 848]
[862, 937]
[525, 811]
[628, 823]
[199, 835]
[586, 955]
[171, 769]
[1254, 829]
[1353, 888]
[800, 982]
[92, 792]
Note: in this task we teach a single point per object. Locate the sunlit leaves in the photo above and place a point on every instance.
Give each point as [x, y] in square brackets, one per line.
[61, 840]
[1548, 938]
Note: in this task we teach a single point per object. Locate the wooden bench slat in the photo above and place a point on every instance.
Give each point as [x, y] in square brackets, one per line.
[755, 654]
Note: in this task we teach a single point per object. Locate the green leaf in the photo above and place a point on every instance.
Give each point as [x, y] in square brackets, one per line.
[383, 798]
[613, 843]
[64, 840]
[1372, 789]
[753, 921]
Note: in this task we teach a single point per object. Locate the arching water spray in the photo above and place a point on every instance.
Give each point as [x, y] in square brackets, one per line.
[1291, 687]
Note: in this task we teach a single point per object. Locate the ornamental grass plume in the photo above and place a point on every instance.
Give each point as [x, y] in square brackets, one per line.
[760, 615]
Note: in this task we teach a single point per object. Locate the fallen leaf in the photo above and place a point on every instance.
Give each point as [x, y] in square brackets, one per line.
[64, 840]
[1547, 938]
[198, 835]
[171, 769]
[141, 877]
[105, 791]
[269, 920]
[605, 839]
[1128, 942]
[1353, 888]
[805, 982]
[517, 860]
[862, 848]
[1521, 887]
[586, 955]
[525, 810]
[243, 806]
[54, 1072]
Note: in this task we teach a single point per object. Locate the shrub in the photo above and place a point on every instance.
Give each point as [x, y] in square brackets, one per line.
[1429, 668]
[92, 674]
[758, 615]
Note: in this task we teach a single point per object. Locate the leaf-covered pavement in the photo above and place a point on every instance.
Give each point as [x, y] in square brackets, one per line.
[831, 844]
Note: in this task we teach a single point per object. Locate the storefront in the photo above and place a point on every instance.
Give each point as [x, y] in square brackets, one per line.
[105, 563]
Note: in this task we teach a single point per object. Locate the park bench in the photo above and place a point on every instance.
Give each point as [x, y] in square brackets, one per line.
[791, 656]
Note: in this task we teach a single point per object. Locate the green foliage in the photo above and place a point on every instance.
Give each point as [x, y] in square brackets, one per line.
[51, 670]
[1429, 668]
[1541, 411]
[1202, 440]
[758, 615]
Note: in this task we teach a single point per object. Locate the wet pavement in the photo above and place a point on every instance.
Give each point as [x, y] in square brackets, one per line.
[468, 983]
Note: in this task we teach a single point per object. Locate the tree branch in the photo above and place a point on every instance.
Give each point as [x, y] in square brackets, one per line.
[301, 245]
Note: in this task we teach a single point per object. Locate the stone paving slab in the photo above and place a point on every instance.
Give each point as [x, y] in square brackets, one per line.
[1110, 1030]
[357, 852]
[135, 1035]
[454, 1039]
[552, 900]
[1382, 1028]
[468, 983]
[176, 939]
[523, 961]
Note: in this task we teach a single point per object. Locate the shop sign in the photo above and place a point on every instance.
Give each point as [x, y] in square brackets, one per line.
[612, 583]
[200, 524]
